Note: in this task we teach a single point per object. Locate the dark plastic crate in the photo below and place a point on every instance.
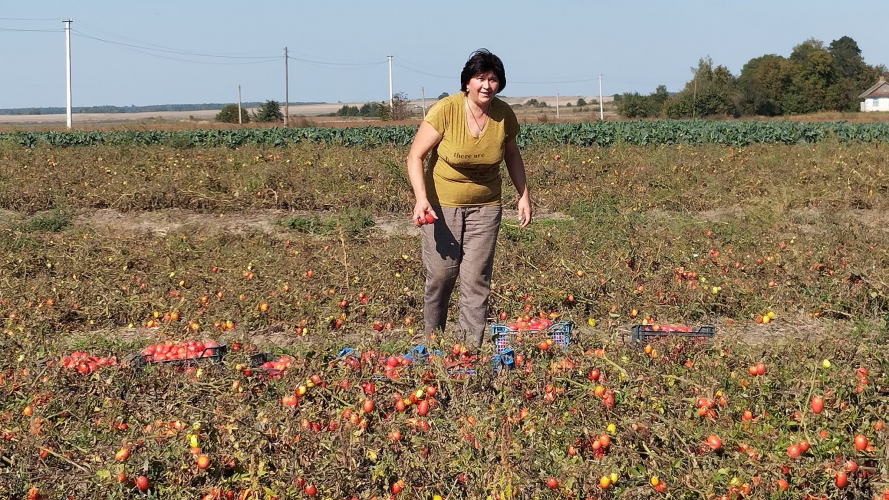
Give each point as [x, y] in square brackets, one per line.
[647, 333]
[504, 336]
[258, 358]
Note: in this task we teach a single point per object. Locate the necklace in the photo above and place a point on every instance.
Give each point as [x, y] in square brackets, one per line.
[485, 121]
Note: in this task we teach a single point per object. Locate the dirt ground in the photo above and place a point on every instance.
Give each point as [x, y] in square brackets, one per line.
[800, 327]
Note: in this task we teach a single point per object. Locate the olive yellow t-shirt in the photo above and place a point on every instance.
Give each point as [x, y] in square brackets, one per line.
[463, 170]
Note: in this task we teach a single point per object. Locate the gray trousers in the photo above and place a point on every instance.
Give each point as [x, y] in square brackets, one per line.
[460, 244]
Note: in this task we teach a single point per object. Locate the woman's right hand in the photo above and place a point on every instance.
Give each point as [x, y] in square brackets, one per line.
[421, 208]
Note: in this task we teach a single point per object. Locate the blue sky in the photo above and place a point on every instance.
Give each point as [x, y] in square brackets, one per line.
[199, 51]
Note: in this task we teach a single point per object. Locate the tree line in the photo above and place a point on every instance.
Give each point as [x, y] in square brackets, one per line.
[816, 77]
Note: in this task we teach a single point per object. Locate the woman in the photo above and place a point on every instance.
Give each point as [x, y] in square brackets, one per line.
[469, 134]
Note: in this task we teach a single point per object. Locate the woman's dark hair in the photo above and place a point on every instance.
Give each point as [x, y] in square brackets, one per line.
[482, 61]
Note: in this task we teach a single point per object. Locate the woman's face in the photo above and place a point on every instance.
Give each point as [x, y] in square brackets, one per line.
[483, 87]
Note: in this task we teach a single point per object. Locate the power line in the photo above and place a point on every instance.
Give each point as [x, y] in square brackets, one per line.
[423, 72]
[32, 31]
[153, 50]
[26, 19]
[172, 51]
[151, 46]
[325, 63]
[554, 82]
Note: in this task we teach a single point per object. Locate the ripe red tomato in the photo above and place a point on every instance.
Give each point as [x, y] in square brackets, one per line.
[594, 375]
[803, 446]
[203, 461]
[860, 442]
[429, 218]
[817, 404]
[397, 486]
[311, 490]
[714, 442]
[423, 407]
[552, 483]
[782, 484]
[367, 406]
[605, 440]
[760, 368]
[841, 480]
[142, 483]
[793, 451]
[851, 466]
[122, 454]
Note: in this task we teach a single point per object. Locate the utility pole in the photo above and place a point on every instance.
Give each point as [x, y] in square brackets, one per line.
[68, 70]
[601, 112]
[239, 105]
[694, 98]
[286, 90]
[557, 106]
[390, 87]
[423, 93]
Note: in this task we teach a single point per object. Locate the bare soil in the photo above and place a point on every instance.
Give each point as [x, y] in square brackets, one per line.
[800, 328]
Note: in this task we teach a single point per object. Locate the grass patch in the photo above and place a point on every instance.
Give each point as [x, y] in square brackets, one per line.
[354, 223]
[55, 220]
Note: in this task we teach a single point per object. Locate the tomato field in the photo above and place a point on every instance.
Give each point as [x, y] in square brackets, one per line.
[243, 321]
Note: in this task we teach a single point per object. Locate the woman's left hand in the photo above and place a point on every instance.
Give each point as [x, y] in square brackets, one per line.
[524, 207]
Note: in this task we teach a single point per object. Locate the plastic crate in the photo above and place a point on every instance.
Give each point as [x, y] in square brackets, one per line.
[504, 336]
[419, 353]
[258, 358]
[646, 333]
[213, 354]
[503, 361]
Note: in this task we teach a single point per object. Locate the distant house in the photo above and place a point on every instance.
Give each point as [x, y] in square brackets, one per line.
[876, 98]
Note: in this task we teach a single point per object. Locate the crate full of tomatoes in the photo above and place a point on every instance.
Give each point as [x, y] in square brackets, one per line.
[648, 332]
[543, 332]
[181, 352]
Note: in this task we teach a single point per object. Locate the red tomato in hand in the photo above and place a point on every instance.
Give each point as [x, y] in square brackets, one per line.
[429, 218]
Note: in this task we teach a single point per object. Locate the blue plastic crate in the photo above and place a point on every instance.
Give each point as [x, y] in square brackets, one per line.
[420, 353]
[504, 336]
[503, 361]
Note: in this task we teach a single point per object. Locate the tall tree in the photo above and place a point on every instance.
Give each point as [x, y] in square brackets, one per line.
[711, 91]
[763, 82]
[851, 74]
[812, 77]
